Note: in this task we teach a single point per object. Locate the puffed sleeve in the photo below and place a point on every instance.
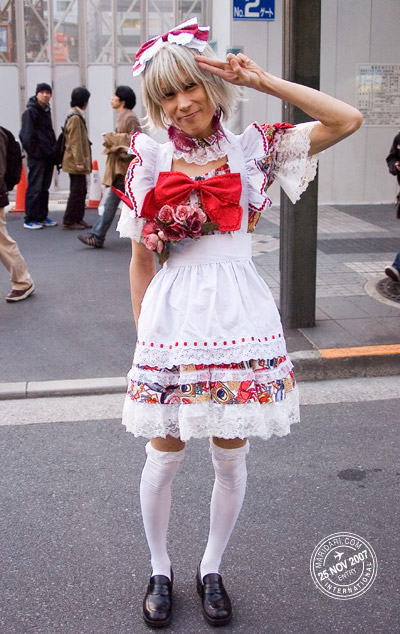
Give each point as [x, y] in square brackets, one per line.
[139, 179]
[278, 152]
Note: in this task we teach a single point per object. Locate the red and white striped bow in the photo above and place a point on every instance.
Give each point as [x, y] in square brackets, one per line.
[186, 34]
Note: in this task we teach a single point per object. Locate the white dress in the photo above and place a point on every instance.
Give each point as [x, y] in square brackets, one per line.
[211, 357]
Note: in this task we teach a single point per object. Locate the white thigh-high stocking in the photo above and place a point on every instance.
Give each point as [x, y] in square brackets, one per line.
[155, 500]
[226, 502]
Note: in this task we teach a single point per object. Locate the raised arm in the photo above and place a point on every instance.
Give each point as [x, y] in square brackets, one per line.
[337, 119]
[142, 269]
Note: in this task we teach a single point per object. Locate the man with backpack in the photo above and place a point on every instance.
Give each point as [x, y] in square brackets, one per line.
[10, 256]
[39, 141]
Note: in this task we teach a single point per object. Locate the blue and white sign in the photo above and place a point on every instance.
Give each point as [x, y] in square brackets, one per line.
[254, 9]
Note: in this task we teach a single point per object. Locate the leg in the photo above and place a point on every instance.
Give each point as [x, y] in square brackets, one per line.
[104, 222]
[75, 209]
[394, 271]
[47, 175]
[229, 460]
[163, 459]
[12, 259]
[34, 191]
[396, 263]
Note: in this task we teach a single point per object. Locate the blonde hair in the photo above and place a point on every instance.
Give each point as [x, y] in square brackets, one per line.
[169, 71]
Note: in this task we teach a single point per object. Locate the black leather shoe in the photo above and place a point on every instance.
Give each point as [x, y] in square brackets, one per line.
[215, 602]
[157, 604]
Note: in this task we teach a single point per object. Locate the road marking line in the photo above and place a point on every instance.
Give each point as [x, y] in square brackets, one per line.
[359, 351]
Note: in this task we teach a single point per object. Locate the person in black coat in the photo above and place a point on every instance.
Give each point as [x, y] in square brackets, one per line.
[38, 140]
[393, 161]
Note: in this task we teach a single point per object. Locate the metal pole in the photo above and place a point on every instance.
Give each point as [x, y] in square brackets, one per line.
[298, 241]
[21, 53]
[114, 42]
[82, 22]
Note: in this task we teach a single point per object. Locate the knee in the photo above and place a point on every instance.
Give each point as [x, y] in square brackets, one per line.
[161, 467]
[167, 444]
[230, 464]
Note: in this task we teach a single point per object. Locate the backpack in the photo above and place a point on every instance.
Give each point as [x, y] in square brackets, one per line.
[60, 144]
[13, 161]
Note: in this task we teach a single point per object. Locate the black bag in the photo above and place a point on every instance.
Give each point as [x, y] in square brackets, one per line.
[13, 161]
[60, 144]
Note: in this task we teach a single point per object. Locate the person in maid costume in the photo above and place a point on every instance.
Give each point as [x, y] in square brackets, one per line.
[210, 359]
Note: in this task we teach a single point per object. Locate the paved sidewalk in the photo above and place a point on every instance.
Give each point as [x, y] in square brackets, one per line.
[77, 328]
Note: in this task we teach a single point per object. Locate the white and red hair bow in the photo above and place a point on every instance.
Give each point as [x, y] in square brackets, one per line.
[186, 34]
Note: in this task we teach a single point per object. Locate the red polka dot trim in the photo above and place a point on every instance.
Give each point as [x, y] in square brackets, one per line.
[207, 343]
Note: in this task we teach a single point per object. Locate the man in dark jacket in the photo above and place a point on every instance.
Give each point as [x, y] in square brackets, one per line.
[38, 139]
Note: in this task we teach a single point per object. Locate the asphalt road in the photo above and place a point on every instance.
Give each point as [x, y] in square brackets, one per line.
[73, 554]
[78, 323]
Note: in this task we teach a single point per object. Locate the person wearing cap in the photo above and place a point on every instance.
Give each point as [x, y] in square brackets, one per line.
[38, 140]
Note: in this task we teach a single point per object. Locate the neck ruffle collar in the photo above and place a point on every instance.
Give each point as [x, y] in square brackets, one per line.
[199, 151]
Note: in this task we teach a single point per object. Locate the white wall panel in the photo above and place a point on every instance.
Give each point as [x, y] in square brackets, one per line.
[360, 31]
[100, 113]
[9, 111]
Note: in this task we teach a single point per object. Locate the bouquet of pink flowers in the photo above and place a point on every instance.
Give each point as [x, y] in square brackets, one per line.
[172, 224]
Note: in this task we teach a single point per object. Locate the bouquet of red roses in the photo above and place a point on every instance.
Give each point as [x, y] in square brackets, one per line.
[174, 223]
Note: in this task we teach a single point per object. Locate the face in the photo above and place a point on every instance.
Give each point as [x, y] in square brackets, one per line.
[190, 110]
[43, 97]
[116, 102]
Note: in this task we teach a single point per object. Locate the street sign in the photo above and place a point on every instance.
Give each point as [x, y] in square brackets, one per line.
[254, 9]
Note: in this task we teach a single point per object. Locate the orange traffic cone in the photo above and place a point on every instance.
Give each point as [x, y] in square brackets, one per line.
[19, 206]
[95, 187]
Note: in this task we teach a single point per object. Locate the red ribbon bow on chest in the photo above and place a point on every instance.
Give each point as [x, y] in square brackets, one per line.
[219, 195]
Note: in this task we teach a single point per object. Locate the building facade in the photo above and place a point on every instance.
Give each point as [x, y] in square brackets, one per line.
[92, 43]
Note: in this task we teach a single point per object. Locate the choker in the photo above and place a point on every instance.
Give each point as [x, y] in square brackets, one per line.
[198, 151]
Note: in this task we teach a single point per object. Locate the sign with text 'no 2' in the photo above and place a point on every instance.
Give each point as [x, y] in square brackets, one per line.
[253, 9]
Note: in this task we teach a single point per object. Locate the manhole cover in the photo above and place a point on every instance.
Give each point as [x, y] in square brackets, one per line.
[389, 289]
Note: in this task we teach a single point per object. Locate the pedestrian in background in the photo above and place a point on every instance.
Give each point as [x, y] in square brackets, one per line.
[10, 256]
[38, 140]
[77, 160]
[393, 161]
[116, 148]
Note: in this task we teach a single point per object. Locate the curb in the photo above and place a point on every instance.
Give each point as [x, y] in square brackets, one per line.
[344, 363]
[310, 365]
[70, 387]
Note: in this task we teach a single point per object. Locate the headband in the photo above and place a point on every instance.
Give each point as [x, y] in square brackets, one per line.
[186, 34]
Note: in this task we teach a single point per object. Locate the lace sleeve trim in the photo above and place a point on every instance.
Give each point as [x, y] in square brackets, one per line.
[293, 169]
[130, 227]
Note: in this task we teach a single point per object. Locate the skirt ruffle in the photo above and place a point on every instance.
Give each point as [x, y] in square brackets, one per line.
[249, 398]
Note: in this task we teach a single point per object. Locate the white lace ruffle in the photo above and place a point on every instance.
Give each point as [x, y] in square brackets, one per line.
[206, 375]
[293, 169]
[167, 358]
[129, 227]
[209, 419]
[204, 154]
